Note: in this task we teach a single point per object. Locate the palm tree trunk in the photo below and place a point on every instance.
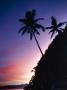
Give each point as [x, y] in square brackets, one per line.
[38, 44]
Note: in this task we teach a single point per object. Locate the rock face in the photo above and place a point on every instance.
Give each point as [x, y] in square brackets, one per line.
[51, 70]
[56, 58]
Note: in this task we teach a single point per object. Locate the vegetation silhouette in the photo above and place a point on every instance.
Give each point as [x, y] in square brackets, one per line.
[51, 70]
[30, 26]
[55, 27]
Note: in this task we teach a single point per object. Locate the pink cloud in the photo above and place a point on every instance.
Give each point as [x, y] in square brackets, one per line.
[14, 73]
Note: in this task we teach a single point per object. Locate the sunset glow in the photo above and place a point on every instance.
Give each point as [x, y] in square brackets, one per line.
[15, 73]
[19, 55]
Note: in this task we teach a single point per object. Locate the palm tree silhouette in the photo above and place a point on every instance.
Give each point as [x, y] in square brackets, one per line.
[64, 29]
[55, 27]
[31, 26]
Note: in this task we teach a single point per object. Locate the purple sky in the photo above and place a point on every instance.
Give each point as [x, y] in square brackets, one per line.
[19, 54]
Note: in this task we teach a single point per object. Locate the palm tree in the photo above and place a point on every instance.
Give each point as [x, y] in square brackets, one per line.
[31, 26]
[64, 29]
[55, 27]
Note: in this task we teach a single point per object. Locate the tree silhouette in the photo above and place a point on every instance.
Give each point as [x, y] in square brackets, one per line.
[51, 70]
[55, 27]
[31, 26]
[64, 29]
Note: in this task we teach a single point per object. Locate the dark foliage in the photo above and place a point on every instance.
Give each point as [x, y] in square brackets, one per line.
[51, 70]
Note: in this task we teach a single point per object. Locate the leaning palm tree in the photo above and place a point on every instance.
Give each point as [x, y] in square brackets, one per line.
[30, 26]
[55, 27]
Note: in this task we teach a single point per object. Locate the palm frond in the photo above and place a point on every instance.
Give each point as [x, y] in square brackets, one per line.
[62, 23]
[52, 34]
[31, 36]
[36, 20]
[33, 12]
[59, 31]
[49, 27]
[24, 31]
[22, 20]
[36, 31]
[40, 26]
[66, 27]
[65, 22]
[53, 21]
[28, 30]
[21, 29]
[51, 31]
[61, 28]
[28, 14]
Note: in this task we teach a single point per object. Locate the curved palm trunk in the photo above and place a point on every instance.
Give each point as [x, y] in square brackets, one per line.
[38, 44]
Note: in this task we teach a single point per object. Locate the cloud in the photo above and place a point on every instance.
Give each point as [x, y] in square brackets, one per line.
[13, 73]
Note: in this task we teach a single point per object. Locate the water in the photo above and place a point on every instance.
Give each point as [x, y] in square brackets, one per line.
[15, 89]
[11, 89]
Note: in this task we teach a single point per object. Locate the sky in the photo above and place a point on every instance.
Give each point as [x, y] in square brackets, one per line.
[19, 54]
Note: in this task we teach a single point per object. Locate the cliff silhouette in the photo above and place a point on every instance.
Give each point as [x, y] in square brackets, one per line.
[51, 70]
